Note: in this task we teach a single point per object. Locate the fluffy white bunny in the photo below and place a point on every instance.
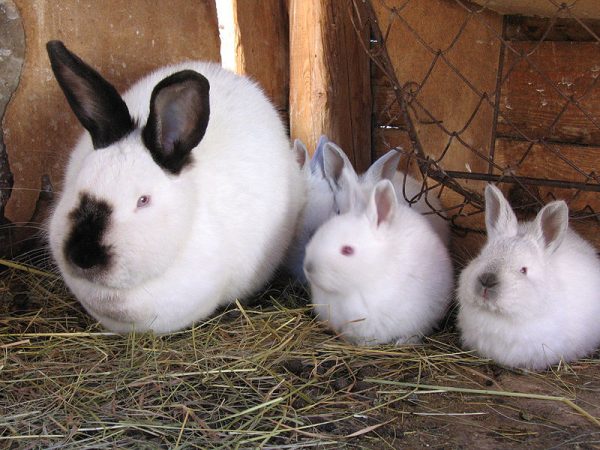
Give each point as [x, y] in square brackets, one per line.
[348, 187]
[379, 274]
[318, 208]
[333, 184]
[183, 196]
[532, 296]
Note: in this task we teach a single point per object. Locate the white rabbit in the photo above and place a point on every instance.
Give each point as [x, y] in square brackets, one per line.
[183, 196]
[379, 274]
[332, 182]
[346, 184]
[318, 208]
[532, 296]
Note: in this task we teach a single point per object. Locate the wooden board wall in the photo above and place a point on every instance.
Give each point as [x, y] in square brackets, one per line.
[123, 39]
[262, 46]
[330, 89]
[549, 123]
[448, 61]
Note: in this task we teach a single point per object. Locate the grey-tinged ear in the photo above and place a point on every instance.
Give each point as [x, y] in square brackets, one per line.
[95, 101]
[499, 216]
[179, 112]
[385, 167]
[336, 164]
[551, 224]
[316, 162]
[301, 153]
[383, 203]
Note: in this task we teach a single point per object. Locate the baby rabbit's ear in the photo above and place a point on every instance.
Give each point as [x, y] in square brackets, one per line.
[316, 162]
[383, 203]
[551, 225]
[179, 112]
[301, 153]
[500, 220]
[336, 166]
[385, 167]
[95, 101]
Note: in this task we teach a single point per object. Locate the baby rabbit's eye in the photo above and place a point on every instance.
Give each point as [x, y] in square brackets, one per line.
[347, 250]
[144, 200]
[523, 270]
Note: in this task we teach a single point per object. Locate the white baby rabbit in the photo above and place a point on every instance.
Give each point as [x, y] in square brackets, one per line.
[318, 208]
[379, 274]
[182, 197]
[346, 184]
[532, 296]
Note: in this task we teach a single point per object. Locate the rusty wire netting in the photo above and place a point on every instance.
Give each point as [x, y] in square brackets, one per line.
[552, 154]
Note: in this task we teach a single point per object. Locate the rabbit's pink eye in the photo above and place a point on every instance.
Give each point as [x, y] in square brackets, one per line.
[346, 250]
[144, 200]
[523, 270]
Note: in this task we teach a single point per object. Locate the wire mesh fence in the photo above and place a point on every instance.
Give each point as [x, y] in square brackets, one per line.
[473, 97]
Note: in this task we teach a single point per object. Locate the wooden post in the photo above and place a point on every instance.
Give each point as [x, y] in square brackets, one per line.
[330, 91]
[262, 46]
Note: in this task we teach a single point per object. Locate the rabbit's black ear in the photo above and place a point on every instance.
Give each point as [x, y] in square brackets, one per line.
[95, 101]
[179, 112]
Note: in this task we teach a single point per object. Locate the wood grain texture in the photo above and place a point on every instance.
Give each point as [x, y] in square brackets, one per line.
[123, 39]
[554, 76]
[330, 91]
[446, 63]
[584, 9]
[553, 161]
[521, 28]
[443, 103]
[262, 46]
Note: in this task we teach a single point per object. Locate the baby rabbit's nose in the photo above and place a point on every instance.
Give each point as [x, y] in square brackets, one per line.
[309, 267]
[488, 280]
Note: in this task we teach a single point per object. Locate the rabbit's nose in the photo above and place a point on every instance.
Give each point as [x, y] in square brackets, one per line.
[308, 267]
[488, 280]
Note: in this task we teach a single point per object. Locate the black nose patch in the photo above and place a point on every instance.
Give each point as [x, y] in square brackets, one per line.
[83, 247]
[488, 280]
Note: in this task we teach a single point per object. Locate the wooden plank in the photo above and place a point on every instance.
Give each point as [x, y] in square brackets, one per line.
[262, 46]
[386, 109]
[545, 8]
[550, 161]
[330, 89]
[522, 28]
[123, 40]
[444, 103]
[540, 86]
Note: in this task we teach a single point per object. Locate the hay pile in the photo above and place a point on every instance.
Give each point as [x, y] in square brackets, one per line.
[265, 375]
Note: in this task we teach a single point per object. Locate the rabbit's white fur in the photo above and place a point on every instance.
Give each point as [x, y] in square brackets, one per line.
[540, 302]
[333, 184]
[319, 207]
[213, 233]
[396, 284]
[349, 188]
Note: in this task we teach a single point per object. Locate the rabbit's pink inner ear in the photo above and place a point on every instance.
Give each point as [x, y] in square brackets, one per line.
[553, 221]
[383, 202]
[385, 167]
[333, 163]
[301, 153]
[499, 216]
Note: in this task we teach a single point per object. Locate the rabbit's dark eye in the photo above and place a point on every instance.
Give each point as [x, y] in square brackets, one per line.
[347, 250]
[144, 200]
[523, 270]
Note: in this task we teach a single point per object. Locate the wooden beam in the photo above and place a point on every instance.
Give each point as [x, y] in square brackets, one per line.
[262, 46]
[543, 79]
[330, 91]
[553, 161]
